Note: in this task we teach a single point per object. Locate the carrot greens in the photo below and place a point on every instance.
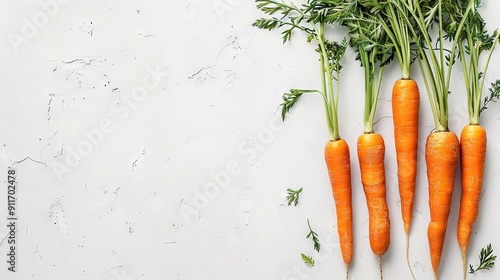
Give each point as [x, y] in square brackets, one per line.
[314, 236]
[374, 52]
[494, 95]
[307, 259]
[486, 260]
[310, 19]
[293, 196]
[396, 28]
[472, 42]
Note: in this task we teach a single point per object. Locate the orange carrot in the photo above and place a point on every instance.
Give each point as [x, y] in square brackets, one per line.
[337, 159]
[473, 154]
[371, 153]
[405, 106]
[336, 153]
[441, 154]
[473, 137]
[370, 145]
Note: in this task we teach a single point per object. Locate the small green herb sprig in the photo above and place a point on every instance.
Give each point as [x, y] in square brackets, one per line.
[307, 259]
[486, 260]
[317, 246]
[314, 236]
[293, 196]
[290, 98]
[494, 95]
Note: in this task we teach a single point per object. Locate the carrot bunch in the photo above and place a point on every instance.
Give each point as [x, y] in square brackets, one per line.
[380, 31]
[405, 104]
[310, 20]
[442, 151]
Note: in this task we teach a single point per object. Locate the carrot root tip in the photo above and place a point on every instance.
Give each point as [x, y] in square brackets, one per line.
[464, 262]
[346, 271]
[408, 255]
[380, 267]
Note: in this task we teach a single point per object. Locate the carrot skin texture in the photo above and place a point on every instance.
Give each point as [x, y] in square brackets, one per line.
[442, 153]
[338, 163]
[472, 158]
[405, 108]
[371, 154]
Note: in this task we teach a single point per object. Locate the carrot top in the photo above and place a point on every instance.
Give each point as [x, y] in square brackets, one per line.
[310, 18]
[374, 52]
[393, 22]
[472, 41]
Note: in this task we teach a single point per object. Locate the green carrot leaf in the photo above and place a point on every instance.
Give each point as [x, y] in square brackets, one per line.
[290, 98]
[494, 95]
[293, 196]
[267, 23]
[486, 260]
[314, 236]
[307, 259]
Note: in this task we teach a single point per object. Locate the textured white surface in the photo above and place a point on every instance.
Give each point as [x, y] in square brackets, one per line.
[121, 116]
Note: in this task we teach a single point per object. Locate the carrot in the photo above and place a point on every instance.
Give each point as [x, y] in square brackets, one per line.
[371, 151]
[405, 106]
[331, 53]
[441, 154]
[370, 145]
[473, 154]
[337, 159]
[473, 41]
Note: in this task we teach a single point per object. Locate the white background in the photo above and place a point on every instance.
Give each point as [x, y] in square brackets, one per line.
[112, 180]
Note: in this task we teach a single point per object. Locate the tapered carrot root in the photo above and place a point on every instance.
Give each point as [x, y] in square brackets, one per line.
[338, 162]
[371, 153]
[441, 153]
[472, 158]
[405, 107]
